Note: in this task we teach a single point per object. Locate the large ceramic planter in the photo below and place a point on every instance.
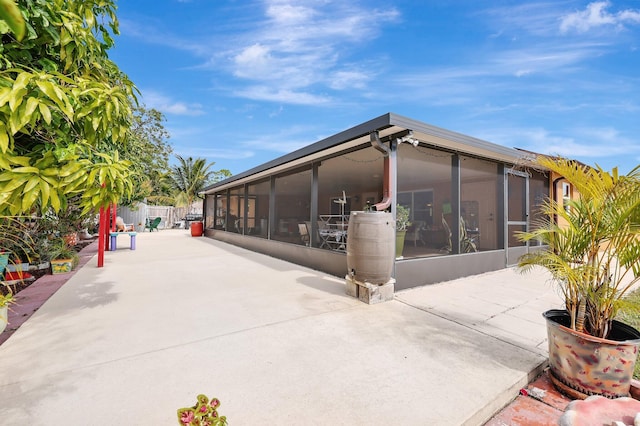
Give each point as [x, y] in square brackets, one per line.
[4, 317]
[583, 365]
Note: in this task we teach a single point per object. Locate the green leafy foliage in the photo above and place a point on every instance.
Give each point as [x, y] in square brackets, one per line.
[402, 217]
[148, 151]
[65, 109]
[189, 177]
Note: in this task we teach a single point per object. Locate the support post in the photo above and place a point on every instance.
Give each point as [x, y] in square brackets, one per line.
[102, 226]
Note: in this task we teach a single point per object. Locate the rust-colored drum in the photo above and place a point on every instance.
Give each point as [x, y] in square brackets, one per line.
[196, 229]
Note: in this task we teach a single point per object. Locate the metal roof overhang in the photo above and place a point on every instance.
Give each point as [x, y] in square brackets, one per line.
[386, 125]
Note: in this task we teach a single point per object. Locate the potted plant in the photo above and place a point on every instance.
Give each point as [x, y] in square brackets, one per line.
[592, 250]
[19, 260]
[63, 257]
[17, 245]
[402, 223]
[6, 298]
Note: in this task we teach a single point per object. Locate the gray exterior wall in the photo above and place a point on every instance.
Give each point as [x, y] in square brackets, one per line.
[408, 272]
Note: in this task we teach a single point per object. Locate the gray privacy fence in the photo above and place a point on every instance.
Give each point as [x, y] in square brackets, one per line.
[170, 216]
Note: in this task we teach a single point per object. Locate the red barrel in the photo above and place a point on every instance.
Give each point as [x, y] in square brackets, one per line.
[196, 229]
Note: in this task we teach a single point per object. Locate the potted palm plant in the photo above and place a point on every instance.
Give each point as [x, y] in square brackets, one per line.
[63, 257]
[592, 250]
[402, 223]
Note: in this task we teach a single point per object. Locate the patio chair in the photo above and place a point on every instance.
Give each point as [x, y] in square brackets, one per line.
[152, 224]
[414, 233]
[447, 234]
[467, 245]
[304, 233]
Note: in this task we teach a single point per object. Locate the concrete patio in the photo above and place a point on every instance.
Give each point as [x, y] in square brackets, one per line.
[134, 341]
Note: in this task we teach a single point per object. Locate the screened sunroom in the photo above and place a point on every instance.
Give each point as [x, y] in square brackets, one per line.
[466, 198]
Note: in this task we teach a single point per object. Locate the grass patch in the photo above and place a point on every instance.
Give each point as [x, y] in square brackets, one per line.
[629, 314]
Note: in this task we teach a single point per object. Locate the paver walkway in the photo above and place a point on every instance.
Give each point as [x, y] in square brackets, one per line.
[277, 343]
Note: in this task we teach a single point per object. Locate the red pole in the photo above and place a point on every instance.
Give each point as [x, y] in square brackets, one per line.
[107, 228]
[102, 227]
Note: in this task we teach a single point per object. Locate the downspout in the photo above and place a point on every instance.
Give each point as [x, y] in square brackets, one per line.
[386, 179]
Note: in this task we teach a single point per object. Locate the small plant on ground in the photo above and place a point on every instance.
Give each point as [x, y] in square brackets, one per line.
[6, 295]
[204, 413]
[629, 313]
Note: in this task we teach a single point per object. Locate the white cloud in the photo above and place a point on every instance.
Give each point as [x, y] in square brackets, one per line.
[167, 105]
[289, 14]
[264, 93]
[584, 142]
[596, 15]
[536, 18]
[284, 141]
[296, 47]
[341, 80]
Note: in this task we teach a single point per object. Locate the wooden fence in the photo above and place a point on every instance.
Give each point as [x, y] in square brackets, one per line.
[170, 216]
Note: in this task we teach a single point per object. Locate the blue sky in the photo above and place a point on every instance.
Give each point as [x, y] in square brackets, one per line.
[243, 82]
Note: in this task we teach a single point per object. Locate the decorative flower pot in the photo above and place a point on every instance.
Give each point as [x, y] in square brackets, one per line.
[4, 317]
[583, 365]
[4, 261]
[18, 267]
[61, 266]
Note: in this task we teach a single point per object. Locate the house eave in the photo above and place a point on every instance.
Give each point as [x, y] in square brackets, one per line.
[386, 125]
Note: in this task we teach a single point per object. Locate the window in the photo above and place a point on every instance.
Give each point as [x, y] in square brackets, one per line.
[566, 196]
[292, 205]
[346, 183]
[424, 186]
[481, 189]
[258, 217]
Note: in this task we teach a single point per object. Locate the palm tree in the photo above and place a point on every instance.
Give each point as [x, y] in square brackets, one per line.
[188, 178]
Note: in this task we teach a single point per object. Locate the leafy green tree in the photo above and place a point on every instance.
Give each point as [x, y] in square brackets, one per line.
[65, 108]
[148, 150]
[190, 176]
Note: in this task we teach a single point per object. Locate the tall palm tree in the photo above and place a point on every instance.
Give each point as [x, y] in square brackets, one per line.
[189, 177]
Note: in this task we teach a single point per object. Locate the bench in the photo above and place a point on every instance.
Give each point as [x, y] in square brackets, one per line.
[114, 238]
